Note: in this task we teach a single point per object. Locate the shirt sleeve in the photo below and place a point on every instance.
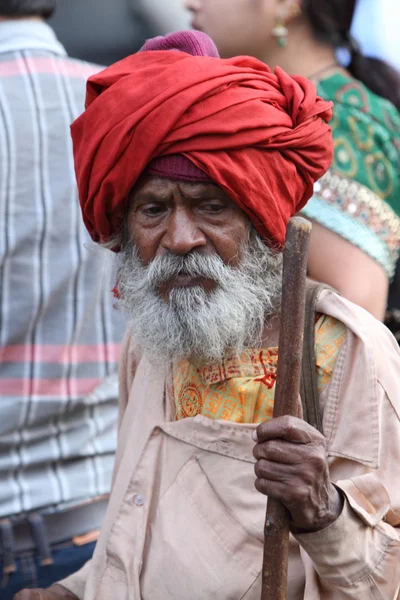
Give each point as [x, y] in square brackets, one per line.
[358, 556]
[354, 560]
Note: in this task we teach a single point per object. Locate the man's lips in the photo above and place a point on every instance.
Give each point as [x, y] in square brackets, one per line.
[184, 280]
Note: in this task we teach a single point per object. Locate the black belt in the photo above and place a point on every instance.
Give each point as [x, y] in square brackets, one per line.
[41, 531]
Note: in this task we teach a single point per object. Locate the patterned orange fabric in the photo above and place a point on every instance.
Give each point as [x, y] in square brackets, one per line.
[242, 389]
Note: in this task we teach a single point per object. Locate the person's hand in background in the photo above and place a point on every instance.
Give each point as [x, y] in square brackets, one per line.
[54, 592]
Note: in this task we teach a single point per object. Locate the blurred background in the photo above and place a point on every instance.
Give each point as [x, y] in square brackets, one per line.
[104, 31]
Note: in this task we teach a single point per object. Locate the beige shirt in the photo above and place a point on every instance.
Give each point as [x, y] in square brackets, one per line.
[185, 521]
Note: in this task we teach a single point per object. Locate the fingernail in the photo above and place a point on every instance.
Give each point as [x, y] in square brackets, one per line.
[254, 436]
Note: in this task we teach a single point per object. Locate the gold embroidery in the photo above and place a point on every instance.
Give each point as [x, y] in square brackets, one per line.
[241, 389]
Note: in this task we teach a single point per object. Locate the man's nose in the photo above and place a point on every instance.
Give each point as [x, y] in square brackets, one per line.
[183, 234]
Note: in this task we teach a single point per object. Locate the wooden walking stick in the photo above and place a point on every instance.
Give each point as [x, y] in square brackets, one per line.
[276, 542]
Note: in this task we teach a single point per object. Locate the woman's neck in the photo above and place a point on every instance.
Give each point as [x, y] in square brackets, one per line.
[303, 55]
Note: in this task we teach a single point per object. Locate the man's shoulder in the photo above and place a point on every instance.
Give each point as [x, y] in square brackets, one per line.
[63, 72]
[84, 64]
[356, 318]
[75, 67]
[69, 76]
[365, 388]
[372, 337]
[131, 354]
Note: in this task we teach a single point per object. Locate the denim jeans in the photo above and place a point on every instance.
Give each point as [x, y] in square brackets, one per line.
[67, 558]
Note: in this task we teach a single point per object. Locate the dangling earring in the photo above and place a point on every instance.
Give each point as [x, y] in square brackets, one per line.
[281, 32]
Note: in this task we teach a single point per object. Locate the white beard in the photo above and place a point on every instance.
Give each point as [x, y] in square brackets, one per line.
[194, 323]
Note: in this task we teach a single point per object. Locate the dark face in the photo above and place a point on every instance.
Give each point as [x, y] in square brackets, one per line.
[181, 217]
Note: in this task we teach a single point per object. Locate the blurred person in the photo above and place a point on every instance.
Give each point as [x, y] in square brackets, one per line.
[341, 45]
[105, 32]
[163, 17]
[184, 180]
[59, 334]
[392, 319]
[100, 31]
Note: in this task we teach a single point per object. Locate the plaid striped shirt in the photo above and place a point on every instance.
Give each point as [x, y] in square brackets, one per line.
[59, 333]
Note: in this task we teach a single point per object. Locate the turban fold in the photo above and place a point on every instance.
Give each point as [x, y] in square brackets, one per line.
[261, 136]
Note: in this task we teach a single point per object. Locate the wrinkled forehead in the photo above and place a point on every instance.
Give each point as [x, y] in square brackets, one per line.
[163, 188]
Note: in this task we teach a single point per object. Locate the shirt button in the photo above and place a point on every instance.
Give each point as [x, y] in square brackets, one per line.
[138, 499]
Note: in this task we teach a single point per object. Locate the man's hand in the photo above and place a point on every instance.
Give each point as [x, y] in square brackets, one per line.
[292, 467]
[54, 592]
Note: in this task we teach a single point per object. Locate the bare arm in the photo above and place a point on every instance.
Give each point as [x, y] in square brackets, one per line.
[345, 267]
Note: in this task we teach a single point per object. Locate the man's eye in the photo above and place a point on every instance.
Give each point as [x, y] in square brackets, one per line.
[214, 207]
[152, 210]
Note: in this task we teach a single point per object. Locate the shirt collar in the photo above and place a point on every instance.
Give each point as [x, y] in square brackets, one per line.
[28, 34]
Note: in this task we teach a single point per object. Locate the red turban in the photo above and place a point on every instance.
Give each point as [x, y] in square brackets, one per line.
[261, 136]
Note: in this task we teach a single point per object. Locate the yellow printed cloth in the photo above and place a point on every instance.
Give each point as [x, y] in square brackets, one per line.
[241, 388]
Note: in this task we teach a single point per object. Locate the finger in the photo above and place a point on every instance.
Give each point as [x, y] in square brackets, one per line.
[290, 496]
[282, 452]
[287, 474]
[295, 476]
[273, 489]
[288, 428]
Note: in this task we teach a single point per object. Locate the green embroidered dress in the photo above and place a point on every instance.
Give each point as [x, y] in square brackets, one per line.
[359, 197]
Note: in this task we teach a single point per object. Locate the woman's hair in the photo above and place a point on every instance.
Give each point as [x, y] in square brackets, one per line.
[27, 8]
[331, 21]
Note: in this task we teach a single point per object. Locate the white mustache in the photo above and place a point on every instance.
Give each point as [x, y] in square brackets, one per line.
[169, 266]
[193, 322]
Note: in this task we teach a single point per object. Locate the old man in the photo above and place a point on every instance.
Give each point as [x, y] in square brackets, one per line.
[191, 166]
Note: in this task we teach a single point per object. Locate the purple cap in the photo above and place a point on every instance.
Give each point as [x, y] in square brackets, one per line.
[196, 43]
